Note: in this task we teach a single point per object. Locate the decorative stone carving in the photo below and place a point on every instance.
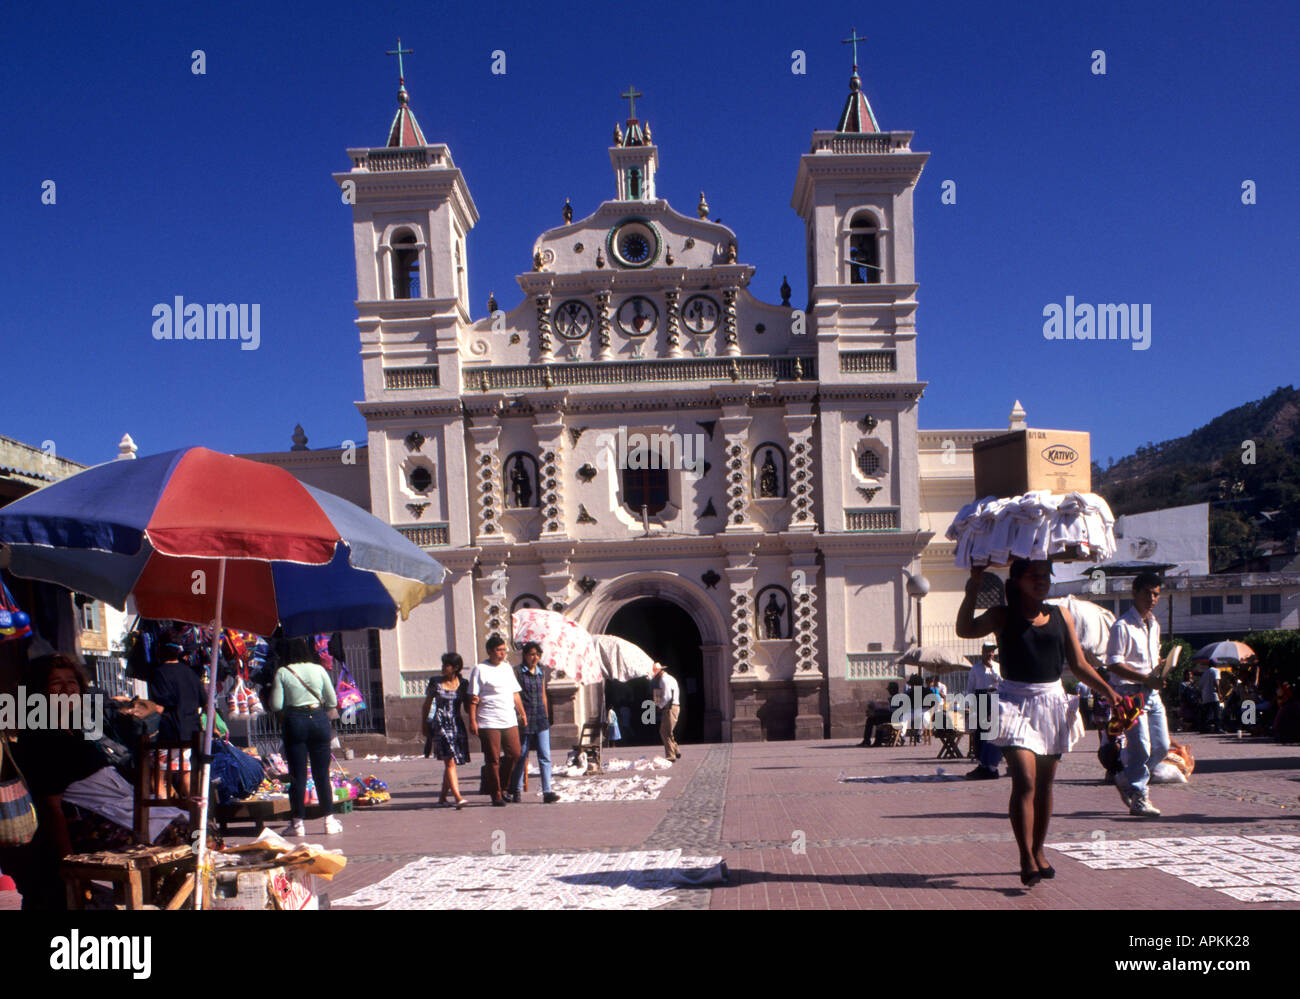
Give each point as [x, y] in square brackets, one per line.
[673, 323]
[709, 509]
[414, 440]
[587, 584]
[785, 291]
[737, 481]
[603, 326]
[741, 579]
[804, 594]
[543, 302]
[868, 423]
[729, 326]
[417, 509]
[587, 472]
[711, 579]
[772, 614]
[583, 516]
[799, 430]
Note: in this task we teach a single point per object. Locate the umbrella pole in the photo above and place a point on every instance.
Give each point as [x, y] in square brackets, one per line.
[206, 788]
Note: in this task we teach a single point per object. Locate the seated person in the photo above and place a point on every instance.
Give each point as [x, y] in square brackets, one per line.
[878, 714]
[82, 803]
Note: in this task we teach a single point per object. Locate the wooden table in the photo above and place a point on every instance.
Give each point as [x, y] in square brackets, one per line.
[256, 810]
[132, 872]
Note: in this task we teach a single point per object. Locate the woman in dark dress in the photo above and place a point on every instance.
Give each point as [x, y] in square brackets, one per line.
[444, 700]
[1035, 721]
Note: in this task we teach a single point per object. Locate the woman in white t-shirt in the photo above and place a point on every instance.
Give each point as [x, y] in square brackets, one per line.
[496, 712]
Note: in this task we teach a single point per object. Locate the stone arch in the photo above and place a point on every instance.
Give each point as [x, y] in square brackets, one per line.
[613, 595]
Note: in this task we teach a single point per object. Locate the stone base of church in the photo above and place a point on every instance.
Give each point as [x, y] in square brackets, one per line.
[773, 710]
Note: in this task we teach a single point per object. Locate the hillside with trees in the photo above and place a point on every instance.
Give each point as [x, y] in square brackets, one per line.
[1244, 463]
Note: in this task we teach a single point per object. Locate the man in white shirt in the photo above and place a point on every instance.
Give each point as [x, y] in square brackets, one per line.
[1132, 654]
[985, 676]
[1211, 705]
[667, 700]
[496, 712]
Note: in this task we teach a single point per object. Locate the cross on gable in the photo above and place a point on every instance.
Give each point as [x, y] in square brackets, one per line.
[399, 52]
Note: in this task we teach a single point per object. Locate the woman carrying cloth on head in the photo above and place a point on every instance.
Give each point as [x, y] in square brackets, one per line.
[1035, 721]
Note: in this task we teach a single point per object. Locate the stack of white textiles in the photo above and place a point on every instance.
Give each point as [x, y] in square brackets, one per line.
[1037, 525]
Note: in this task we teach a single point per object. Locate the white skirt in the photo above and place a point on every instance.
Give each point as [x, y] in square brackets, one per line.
[1036, 716]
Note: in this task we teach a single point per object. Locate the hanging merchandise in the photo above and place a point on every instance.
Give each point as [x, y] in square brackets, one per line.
[14, 624]
[349, 695]
[323, 652]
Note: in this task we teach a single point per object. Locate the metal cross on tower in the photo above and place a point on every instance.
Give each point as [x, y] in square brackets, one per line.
[399, 52]
[853, 39]
[631, 94]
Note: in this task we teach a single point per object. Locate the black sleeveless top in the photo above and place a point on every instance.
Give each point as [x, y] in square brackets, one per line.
[1029, 654]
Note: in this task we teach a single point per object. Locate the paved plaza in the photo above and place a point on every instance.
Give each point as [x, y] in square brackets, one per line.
[827, 825]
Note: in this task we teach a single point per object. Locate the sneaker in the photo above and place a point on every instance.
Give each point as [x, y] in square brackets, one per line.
[550, 798]
[297, 828]
[515, 797]
[1125, 788]
[1140, 805]
[332, 826]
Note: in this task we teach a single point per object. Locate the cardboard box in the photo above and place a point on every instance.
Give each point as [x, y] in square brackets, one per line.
[261, 888]
[1025, 460]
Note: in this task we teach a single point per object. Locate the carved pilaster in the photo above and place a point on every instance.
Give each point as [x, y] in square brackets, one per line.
[740, 582]
[603, 326]
[485, 482]
[735, 424]
[550, 478]
[799, 431]
[674, 326]
[803, 590]
[544, 327]
[493, 586]
[729, 325]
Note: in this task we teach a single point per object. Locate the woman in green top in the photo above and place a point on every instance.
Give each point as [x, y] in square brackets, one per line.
[304, 692]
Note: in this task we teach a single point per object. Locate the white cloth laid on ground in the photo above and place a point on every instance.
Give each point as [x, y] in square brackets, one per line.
[1037, 716]
[1037, 525]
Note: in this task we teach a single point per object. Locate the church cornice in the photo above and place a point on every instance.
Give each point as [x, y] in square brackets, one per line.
[444, 408]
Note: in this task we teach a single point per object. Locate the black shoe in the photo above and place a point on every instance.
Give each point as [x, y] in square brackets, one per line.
[550, 798]
[1047, 873]
[498, 803]
[1031, 878]
[514, 797]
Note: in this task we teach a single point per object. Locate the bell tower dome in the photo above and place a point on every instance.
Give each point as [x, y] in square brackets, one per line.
[634, 156]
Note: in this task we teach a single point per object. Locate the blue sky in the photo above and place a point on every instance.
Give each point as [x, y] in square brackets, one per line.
[1117, 188]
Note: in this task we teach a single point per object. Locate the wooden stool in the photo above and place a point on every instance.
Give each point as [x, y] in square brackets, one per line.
[951, 748]
[892, 734]
[132, 872]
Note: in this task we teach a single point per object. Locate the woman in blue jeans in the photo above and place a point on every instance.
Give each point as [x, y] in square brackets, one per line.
[304, 692]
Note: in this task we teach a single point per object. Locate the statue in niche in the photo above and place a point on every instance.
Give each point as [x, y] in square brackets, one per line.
[520, 487]
[767, 481]
[772, 617]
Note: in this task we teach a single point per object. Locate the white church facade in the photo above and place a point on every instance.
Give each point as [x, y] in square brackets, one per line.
[644, 444]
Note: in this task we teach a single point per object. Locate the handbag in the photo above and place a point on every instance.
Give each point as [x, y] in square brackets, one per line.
[331, 713]
[17, 811]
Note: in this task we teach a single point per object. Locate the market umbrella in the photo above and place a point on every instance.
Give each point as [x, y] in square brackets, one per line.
[1230, 652]
[194, 535]
[567, 647]
[940, 658]
[620, 659]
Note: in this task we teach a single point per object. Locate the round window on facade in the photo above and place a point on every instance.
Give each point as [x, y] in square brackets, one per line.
[420, 479]
[869, 463]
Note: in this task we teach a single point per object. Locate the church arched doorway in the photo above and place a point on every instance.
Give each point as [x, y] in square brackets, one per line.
[670, 635]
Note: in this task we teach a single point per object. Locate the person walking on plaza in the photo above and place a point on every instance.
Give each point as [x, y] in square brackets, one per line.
[1211, 703]
[496, 712]
[444, 700]
[1132, 655]
[667, 700]
[536, 731]
[1035, 721]
[985, 676]
[303, 691]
